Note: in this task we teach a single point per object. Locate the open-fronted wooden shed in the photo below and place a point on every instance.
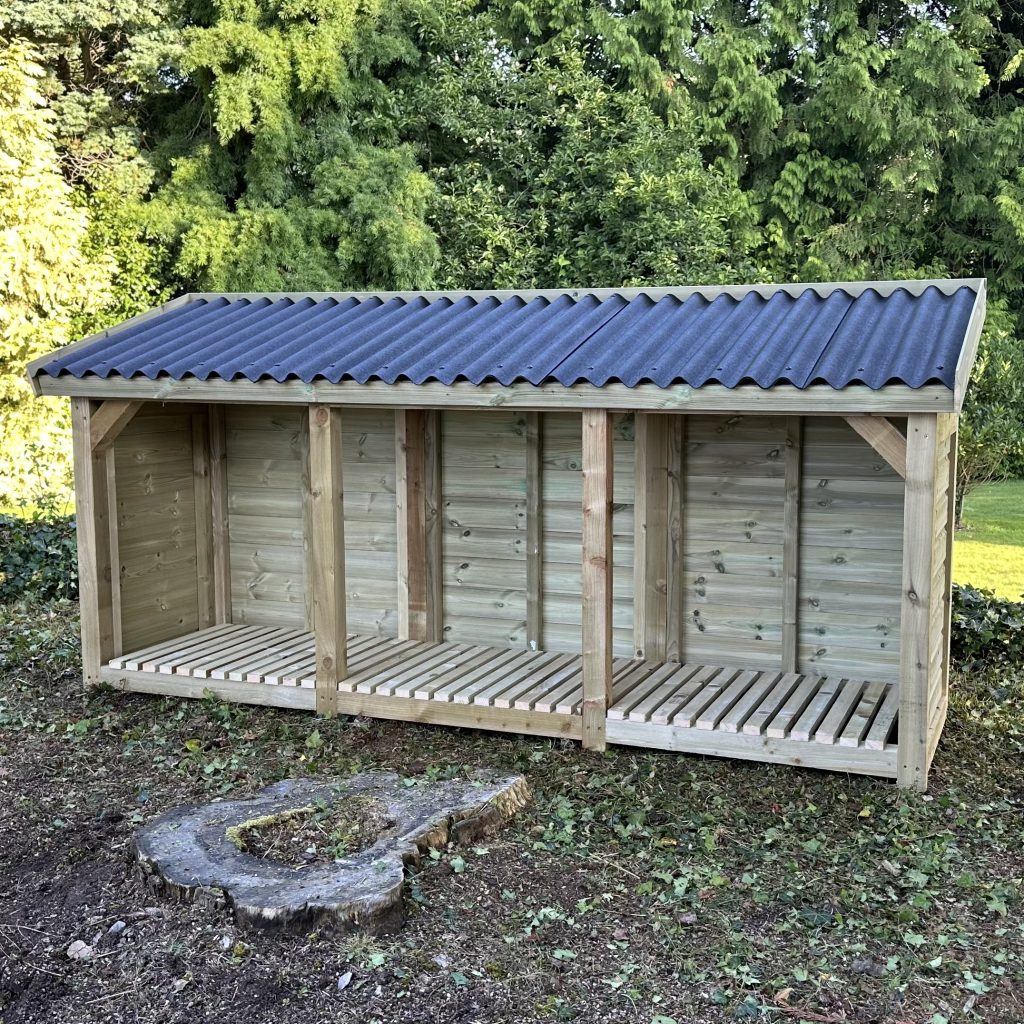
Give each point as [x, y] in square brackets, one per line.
[715, 520]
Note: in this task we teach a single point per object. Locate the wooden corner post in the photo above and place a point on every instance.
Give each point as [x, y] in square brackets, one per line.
[915, 612]
[597, 575]
[95, 566]
[417, 487]
[327, 561]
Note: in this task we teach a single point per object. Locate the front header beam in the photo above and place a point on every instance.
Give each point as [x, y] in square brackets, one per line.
[819, 400]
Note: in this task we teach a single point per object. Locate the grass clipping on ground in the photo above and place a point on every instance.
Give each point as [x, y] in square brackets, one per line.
[302, 836]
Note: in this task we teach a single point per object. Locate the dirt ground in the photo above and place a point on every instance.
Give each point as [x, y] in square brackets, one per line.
[638, 887]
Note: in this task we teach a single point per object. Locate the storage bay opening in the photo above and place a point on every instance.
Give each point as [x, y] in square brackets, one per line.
[741, 568]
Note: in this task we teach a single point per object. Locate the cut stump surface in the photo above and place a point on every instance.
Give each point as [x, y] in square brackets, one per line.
[188, 852]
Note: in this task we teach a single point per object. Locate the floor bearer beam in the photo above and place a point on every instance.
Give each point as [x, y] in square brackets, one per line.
[328, 554]
[597, 575]
[95, 573]
[915, 645]
[651, 537]
[415, 498]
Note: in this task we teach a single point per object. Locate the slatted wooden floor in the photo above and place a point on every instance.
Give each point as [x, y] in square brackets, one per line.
[846, 724]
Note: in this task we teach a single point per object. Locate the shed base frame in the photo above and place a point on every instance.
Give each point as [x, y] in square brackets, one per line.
[789, 718]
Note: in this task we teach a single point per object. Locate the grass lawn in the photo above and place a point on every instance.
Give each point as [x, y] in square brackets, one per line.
[638, 888]
[989, 551]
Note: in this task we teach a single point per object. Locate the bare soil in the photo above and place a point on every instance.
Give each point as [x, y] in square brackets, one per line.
[640, 887]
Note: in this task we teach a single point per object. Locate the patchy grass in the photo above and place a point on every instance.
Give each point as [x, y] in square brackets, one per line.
[640, 887]
[989, 551]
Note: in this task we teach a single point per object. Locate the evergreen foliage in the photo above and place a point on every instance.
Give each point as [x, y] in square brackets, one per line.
[318, 144]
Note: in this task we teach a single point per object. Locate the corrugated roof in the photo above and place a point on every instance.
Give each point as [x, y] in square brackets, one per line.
[796, 336]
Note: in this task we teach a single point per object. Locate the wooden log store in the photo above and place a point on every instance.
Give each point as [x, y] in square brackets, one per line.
[709, 520]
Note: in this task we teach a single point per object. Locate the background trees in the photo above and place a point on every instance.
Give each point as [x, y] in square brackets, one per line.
[265, 144]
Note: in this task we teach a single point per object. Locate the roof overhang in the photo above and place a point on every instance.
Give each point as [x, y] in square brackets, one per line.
[818, 399]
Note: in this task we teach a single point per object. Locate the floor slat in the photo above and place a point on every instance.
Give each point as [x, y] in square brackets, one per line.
[383, 681]
[445, 663]
[738, 714]
[687, 715]
[758, 722]
[488, 660]
[198, 663]
[653, 691]
[785, 707]
[840, 712]
[885, 719]
[788, 714]
[134, 659]
[467, 683]
[857, 727]
[717, 709]
[817, 708]
[536, 684]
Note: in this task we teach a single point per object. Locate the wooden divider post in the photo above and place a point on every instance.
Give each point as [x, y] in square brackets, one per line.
[417, 487]
[327, 562]
[597, 575]
[651, 561]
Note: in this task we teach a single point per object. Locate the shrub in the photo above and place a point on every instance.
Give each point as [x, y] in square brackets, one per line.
[986, 630]
[38, 557]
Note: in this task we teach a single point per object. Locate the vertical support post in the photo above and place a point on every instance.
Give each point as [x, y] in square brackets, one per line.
[219, 534]
[95, 572]
[651, 537]
[307, 526]
[947, 590]
[201, 482]
[915, 612]
[791, 544]
[434, 528]
[113, 524]
[597, 575]
[675, 605]
[328, 547]
[534, 531]
[416, 496]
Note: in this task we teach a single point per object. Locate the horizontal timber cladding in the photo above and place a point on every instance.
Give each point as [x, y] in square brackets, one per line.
[155, 548]
[562, 532]
[733, 484]
[851, 555]
[266, 458]
[484, 512]
[483, 517]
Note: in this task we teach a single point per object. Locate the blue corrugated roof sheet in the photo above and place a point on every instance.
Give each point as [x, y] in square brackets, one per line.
[801, 339]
